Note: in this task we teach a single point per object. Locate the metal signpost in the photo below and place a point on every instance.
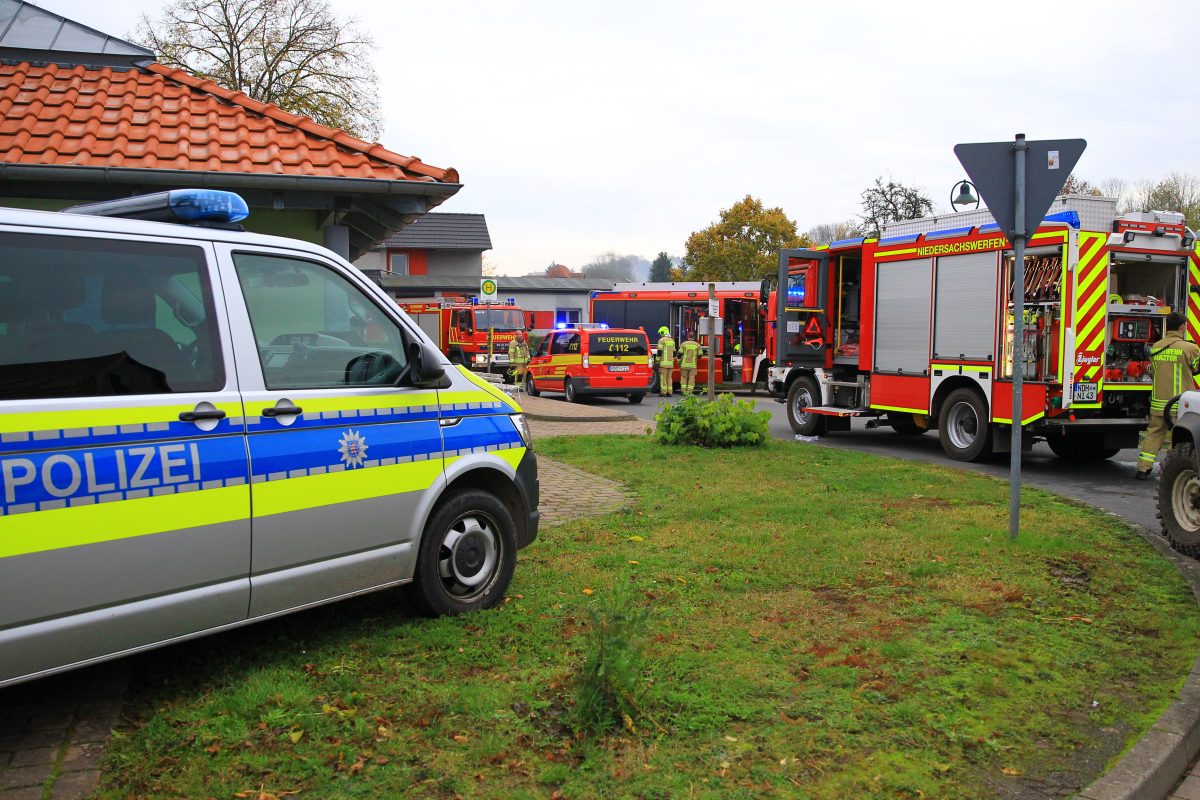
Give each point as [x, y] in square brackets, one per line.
[1018, 181]
[488, 290]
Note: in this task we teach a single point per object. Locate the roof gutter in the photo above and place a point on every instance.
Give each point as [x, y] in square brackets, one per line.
[223, 180]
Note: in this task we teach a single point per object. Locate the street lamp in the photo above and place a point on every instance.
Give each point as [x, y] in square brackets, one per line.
[964, 197]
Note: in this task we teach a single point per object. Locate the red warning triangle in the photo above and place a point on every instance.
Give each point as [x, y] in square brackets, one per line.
[813, 328]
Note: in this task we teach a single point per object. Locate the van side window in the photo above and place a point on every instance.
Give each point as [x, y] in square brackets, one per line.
[565, 342]
[85, 317]
[314, 328]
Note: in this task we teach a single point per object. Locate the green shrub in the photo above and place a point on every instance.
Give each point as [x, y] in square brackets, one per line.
[610, 687]
[724, 422]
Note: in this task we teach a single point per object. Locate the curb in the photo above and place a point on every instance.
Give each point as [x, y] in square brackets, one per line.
[1158, 761]
[614, 416]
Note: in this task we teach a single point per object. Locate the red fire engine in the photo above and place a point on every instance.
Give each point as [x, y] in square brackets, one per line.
[461, 329]
[743, 348]
[917, 329]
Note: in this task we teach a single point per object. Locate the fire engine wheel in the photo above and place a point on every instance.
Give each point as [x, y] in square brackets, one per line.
[1179, 499]
[1080, 448]
[467, 554]
[571, 391]
[530, 389]
[904, 424]
[803, 394]
[963, 426]
[636, 398]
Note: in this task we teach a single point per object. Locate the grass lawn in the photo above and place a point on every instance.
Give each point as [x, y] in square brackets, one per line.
[822, 624]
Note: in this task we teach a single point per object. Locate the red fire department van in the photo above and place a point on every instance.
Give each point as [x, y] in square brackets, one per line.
[592, 360]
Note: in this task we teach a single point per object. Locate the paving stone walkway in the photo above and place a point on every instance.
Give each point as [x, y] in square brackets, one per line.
[53, 732]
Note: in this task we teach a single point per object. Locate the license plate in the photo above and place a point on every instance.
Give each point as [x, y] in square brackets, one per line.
[1084, 393]
[618, 368]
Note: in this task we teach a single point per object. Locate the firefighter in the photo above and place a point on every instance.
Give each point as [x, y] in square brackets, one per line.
[689, 360]
[1174, 362]
[666, 361]
[518, 356]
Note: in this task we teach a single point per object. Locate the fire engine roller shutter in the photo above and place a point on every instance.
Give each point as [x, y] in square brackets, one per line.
[965, 307]
[902, 292]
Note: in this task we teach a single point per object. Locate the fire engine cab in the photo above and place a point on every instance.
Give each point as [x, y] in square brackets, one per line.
[461, 329]
[916, 328]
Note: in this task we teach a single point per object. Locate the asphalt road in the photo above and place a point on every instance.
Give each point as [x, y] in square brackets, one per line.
[1108, 485]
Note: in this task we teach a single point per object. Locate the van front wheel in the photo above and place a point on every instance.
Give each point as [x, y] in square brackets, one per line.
[467, 555]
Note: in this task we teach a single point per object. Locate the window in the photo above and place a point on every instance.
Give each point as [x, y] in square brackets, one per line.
[602, 343]
[565, 342]
[82, 317]
[398, 263]
[566, 316]
[499, 318]
[314, 328]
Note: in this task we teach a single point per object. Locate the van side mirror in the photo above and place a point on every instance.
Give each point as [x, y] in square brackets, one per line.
[425, 369]
[764, 290]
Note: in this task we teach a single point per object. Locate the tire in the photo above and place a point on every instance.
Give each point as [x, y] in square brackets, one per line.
[1080, 448]
[904, 424]
[570, 390]
[963, 426]
[803, 393]
[635, 398]
[653, 388]
[530, 389]
[467, 555]
[1179, 499]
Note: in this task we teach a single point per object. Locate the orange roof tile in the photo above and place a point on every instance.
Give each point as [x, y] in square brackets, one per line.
[164, 118]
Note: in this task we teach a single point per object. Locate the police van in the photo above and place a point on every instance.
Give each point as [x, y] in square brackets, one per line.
[201, 427]
[591, 360]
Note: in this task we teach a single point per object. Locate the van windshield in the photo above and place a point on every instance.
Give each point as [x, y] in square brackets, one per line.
[618, 344]
[501, 319]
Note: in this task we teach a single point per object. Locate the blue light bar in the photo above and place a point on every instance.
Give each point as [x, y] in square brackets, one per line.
[207, 205]
[177, 205]
[847, 242]
[1069, 217]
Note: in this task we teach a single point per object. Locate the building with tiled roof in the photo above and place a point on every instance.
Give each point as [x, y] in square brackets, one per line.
[85, 116]
[434, 244]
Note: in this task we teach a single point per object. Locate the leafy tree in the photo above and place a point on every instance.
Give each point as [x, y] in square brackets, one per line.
[610, 266]
[297, 54]
[889, 202]
[660, 268]
[835, 231]
[742, 245]
[1077, 185]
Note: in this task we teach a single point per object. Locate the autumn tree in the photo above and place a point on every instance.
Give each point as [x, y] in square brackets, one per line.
[1179, 191]
[1076, 185]
[890, 202]
[742, 245]
[660, 268]
[297, 54]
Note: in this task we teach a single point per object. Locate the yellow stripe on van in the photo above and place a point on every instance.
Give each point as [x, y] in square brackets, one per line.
[312, 491]
[20, 422]
[104, 522]
[472, 397]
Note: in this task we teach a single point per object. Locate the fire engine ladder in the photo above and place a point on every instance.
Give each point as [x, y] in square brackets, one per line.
[843, 411]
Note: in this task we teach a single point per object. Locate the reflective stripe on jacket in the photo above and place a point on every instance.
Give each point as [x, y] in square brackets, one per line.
[666, 351]
[689, 354]
[1174, 362]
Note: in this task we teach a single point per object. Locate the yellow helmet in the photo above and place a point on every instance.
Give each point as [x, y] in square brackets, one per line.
[664, 331]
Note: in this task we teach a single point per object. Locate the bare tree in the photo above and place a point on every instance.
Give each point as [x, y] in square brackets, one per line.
[1179, 191]
[296, 54]
[828, 232]
[890, 202]
[610, 266]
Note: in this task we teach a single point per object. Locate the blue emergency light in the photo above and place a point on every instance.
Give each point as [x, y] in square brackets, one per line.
[177, 205]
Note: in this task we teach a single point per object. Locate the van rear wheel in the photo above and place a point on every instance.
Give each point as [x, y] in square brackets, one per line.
[636, 398]
[467, 555]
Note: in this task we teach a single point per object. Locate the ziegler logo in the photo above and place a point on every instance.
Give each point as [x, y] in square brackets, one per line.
[1091, 359]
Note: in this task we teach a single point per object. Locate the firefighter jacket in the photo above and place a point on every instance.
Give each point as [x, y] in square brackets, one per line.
[518, 352]
[1174, 362]
[689, 354]
[666, 351]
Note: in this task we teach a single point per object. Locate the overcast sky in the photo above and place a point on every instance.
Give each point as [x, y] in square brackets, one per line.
[580, 128]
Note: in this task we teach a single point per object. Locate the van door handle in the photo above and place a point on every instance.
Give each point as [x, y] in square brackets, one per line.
[282, 411]
[201, 413]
